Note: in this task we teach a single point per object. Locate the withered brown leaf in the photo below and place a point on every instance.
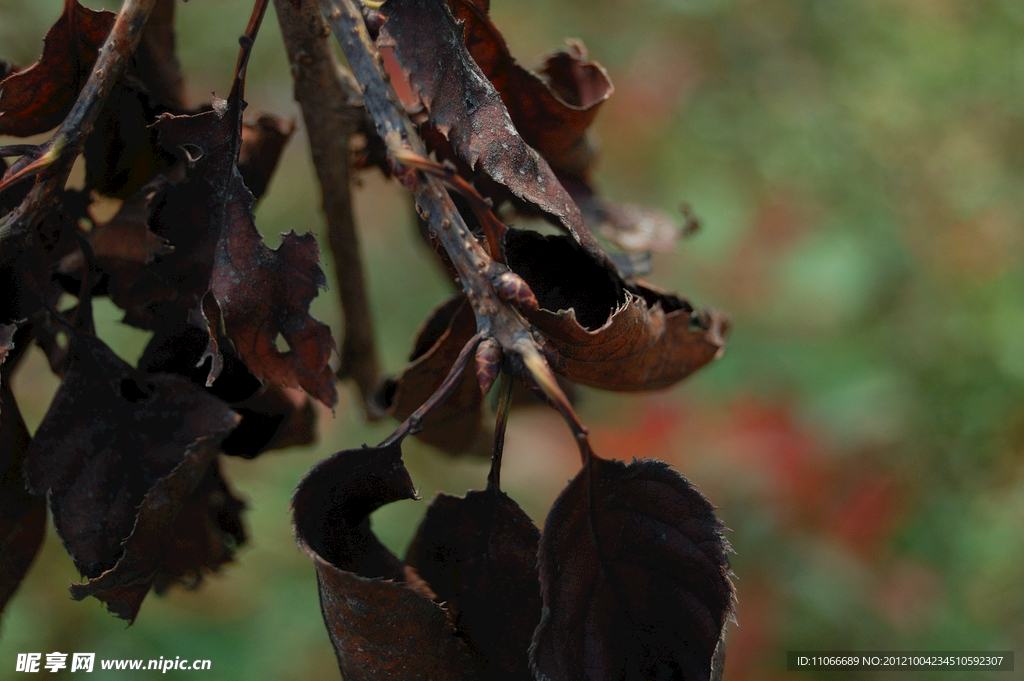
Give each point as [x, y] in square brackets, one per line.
[634, 576]
[156, 61]
[122, 153]
[479, 555]
[261, 294]
[272, 417]
[22, 515]
[204, 536]
[612, 334]
[464, 107]
[263, 141]
[455, 425]
[38, 98]
[380, 617]
[119, 454]
[551, 108]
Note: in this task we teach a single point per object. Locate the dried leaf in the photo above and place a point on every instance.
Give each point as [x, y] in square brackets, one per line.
[634, 577]
[262, 145]
[552, 108]
[612, 334]
[155, 59]
[122, 248]
[479, 555]
[6, 340]
[455, 425]
[261, 294]
[382, 629]
[38, 98]
[118, 454]
[206, 533]
[126, 236]
[22, 515]
[272, 417]
[464, 107]
[264, 294]
[122, 153]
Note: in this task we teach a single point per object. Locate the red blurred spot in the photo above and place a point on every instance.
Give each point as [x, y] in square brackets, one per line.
[867, 515]
[766, 438]
[651, 435]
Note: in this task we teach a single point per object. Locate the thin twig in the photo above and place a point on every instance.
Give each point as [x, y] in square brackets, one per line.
[414, 422]
[500, 423]
[332, 110]
[53, 165]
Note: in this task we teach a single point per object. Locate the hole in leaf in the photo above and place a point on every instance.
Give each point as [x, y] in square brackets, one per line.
[282, 344]
[193, 152]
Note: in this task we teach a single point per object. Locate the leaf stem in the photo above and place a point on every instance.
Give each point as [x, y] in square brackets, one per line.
[501, 421]
[414, 422]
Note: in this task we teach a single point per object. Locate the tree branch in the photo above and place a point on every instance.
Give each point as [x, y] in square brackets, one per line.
[487, 284]
[52, 164]
[332, 110]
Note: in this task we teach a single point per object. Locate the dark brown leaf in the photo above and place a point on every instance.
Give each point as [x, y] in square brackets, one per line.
[122, 153]
[205, 535]
[464, 107]
[122, 249]
[272, 417]
[156, 62]
[552, 108]
[126, 236]
[479, 555]
[455, 425]
[6, 340]
[119, 453]
[634, 577]
[261, 294]
[264, 294]
[382, 629]
[262, 144]
[612, 334]
[38, 98]
[22, 515]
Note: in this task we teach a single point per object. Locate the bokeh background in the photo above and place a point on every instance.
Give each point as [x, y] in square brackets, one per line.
[858, 168]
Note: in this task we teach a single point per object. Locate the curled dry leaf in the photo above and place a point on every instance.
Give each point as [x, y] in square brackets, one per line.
[38, 98]
[466, 109]
[553, 107]
[119, 454]
[634, 576]
[382, 629]
[479, 555]
[612, 334]
[455, 425]
[22, 515]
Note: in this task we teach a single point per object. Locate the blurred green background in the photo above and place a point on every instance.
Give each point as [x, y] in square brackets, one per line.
[858, 168]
